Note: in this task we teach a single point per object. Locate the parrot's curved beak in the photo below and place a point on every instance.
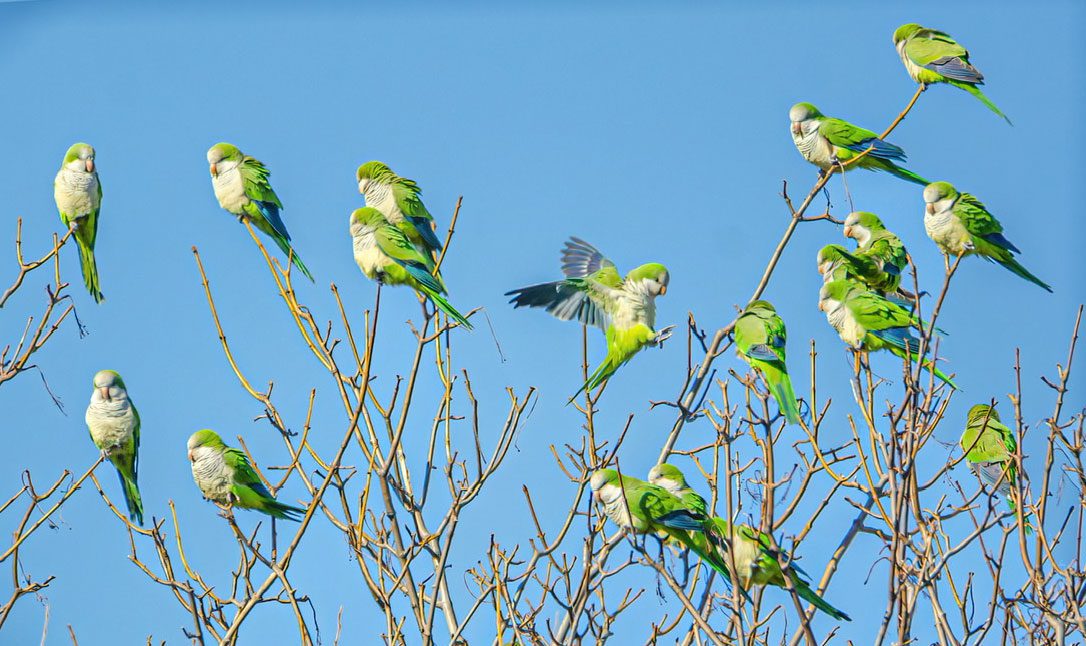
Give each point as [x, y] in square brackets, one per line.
[90, 165]
[796, 128]
[848, 232]
[104, 392]
[930, 208]
[663, 289]
[190, 456]
[214, 171]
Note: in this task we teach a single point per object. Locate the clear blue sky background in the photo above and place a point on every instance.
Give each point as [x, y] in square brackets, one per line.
[657, 134]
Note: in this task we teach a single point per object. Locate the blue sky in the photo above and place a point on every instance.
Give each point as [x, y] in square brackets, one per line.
[657, 134]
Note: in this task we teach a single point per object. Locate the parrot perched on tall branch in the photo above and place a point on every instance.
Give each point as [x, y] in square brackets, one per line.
[78, 195]
[114, 425]
[760, 338]
[226, 477]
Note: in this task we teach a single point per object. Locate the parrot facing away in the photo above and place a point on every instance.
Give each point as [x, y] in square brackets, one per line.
[756, 563]
[242, 188]
[760, 338]
[642, 508]
[78, 195]
[384, 254]
[867, 321]
[399, 199]
[961, 225]
[828, 142]
[595, 294]
[989, 448]
[225, 476]
[932, 56]
[114, 425]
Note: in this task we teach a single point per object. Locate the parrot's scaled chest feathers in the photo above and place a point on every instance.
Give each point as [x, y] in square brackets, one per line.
[614, 505]
[230, 187]
[634, 305]
[367, 254]
[914, 70]
[813, 146]
[212, 475]
[76, 192]
[948, 232]
[111, 423]
[842, 320]
[380, 197]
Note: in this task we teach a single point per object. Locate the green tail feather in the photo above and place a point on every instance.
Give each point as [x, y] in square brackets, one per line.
[439, 301]
[975, 91]
[1018, 270]
[283, 511]
[781, 387]
[90, 270]
[132, 498]
[284, 246]
[1026, 520]
[904, 173]
[598, 376]
[939, 373]
[807, 594]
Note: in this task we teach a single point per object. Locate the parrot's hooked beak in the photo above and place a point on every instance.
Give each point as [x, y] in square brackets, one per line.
[796, 128]
[90, 165]
[190, 456]
[104, 392]
[663, 289]
[930, 208]
[214, 171]
[848, 232]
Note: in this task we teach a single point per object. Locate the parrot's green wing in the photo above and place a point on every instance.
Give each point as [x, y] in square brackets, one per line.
[845, 135]
[244, 474]
[978, 221]
[938, 52]
[257, 187]
[760, 338]
[396, 246]
[587, 293]
[406, 193]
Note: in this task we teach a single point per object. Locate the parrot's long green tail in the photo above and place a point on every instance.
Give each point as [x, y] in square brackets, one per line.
[903, 173]
[1018, 270]
[284, 246]
[939, 373]
[439, 301]
[1027, 520]
[975, 91]
[598, 376]
[807, 594]
[90, 270]
[283, 511]
[781, 387]
[132, 498]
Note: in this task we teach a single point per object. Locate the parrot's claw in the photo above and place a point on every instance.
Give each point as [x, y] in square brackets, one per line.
[663, 335]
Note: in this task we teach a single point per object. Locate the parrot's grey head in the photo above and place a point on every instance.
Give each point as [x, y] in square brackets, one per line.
[834, 291]
[108, 386]
[601, 478]
[366, 218]
[222, 152]
[203, 438]
[800, 114]
[828, 259]
[372, 171]
[906, 32]
[667, 476]
[80, 157]
[859, 226]
[939, 196]
[654, 276]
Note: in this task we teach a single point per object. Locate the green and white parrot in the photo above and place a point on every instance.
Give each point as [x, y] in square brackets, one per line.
[932, 56]
[961, 225]
[642, 508]
[827, 142]
[399, 199]
[989, 447]
[384, 254]
[595, 294]
[242, 188]
[78, 195]
[881, 247]
[756, 563]
[114, 425]
[760, 339]
[225, 476]
[867, 321]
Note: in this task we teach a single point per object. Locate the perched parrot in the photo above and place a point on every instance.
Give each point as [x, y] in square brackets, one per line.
[827, 142]
[225, 476]
[869, 322]
[384, 254]
[932, 56]
[78, 195]
[759, 340]
[755, 561]
[642, 508]
[960, 225]
[989, 447]
[398, 198]
[594, 293]
[881, 247]
[242, 188]
[114, 425]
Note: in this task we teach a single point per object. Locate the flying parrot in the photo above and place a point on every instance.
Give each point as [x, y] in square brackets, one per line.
[828, 142]
[760, 341]
[242, 188]
[78, 195]
[642, 508]
[989, 447]
[867, 321]
[225, 476]
[594, 293]
[932, 56]
[961, 225]
[755, 561]
[114, 425]
[384, 254]
[399, 199]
